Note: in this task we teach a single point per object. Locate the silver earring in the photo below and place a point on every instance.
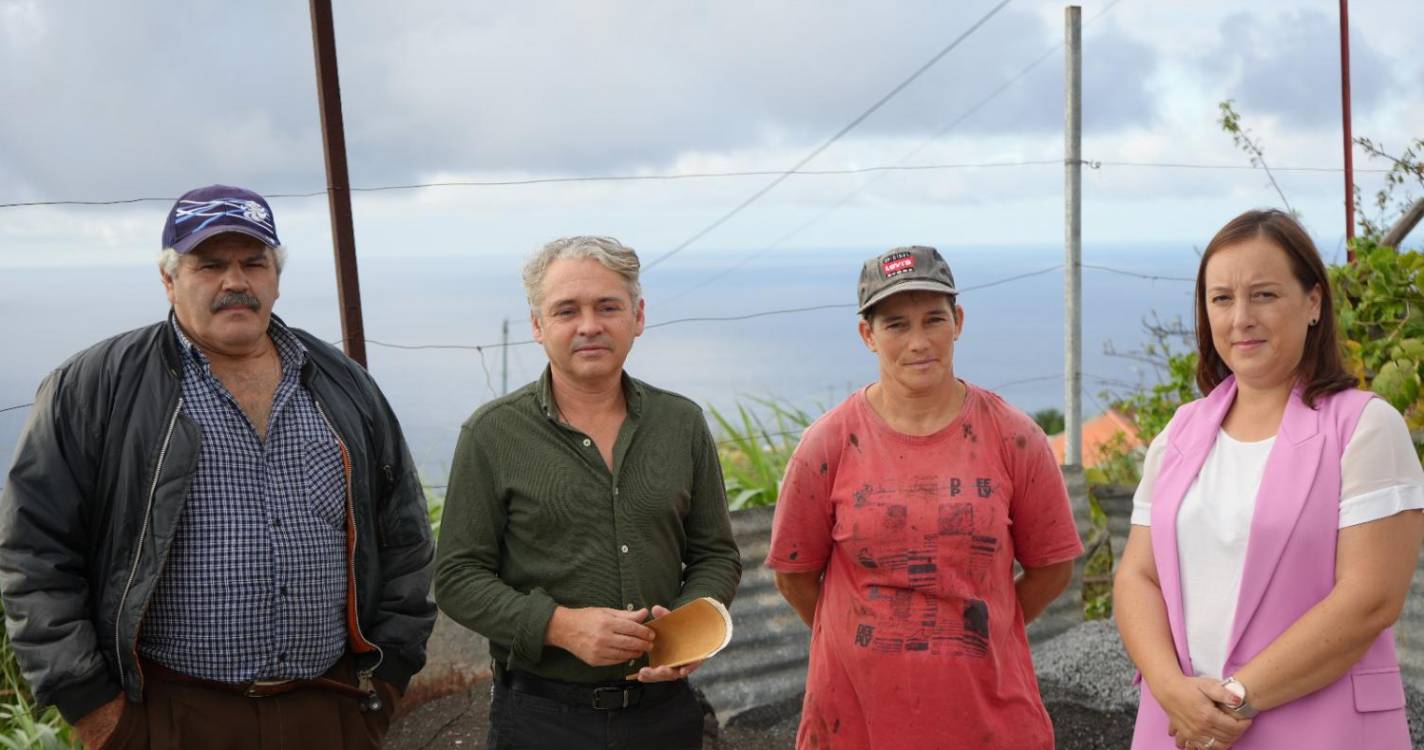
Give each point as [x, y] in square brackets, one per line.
[1313, 321]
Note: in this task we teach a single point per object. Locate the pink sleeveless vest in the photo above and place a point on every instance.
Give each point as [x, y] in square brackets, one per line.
[1290, 566]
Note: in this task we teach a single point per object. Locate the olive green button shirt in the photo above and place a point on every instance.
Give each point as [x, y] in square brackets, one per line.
[533, 518]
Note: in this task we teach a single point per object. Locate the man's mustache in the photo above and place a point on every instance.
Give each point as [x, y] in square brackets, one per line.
[236, 299]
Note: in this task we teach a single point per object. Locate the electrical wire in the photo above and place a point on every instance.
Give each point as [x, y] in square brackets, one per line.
[829, 142]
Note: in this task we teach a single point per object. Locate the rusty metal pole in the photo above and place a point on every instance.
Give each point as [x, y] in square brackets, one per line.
[338, 183]
[1349, 137]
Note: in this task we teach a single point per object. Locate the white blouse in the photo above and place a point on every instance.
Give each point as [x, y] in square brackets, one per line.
[1380, 476]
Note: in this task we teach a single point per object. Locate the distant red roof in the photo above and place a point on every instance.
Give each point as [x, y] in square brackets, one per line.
[1097, 432]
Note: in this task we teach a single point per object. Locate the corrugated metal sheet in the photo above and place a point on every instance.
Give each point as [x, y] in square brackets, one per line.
[765, 664]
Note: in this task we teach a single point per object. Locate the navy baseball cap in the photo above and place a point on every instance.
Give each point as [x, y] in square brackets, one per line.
[218, 209]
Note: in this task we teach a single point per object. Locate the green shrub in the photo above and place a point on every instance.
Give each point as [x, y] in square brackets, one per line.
[754, 454]
[1379, 302]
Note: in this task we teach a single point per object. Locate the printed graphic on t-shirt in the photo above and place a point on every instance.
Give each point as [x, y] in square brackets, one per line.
[925, 595]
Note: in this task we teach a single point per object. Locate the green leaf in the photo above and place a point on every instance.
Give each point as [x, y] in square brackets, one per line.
[1389, 384]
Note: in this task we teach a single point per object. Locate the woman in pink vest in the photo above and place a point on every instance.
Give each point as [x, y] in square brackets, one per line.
[1276, 527]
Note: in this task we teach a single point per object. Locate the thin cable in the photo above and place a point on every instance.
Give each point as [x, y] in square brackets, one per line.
[1024, 381]
[817, 151]
[1030, 274]
[673, 176]
[1135, 274]
[698, 319]
[489, 381]
[1059, 376]
[16, 407]
[1250, 167]
[848, 197]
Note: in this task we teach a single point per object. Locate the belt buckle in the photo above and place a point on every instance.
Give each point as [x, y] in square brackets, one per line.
[258, 688]
[619, 698]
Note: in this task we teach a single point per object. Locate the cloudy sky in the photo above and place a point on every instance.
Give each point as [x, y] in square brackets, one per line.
[109, 101]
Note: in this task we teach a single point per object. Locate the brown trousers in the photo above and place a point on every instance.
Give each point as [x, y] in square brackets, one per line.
[177, 716]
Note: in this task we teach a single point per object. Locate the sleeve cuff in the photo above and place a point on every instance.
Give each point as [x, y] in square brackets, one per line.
[1060, 556]
[1382, 503]
[395, 671]
[80, 699]
[528, 646]
[1141, 515]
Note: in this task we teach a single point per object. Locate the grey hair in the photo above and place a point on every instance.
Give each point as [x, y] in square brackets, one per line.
[610, 253]
[168, 259]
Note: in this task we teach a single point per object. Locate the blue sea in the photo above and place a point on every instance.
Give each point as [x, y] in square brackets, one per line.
[1013, 338]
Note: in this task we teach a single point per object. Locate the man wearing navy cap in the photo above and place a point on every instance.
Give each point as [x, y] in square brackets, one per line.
[216, 518]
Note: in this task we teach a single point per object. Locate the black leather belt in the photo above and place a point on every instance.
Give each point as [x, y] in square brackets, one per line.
[604, 696]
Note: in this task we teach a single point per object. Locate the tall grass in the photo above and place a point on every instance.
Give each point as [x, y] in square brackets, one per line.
[22, 724]
[754, 449]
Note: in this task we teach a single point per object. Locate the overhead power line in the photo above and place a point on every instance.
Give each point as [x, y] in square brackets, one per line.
[677, 176]
[819, 149]
[747, 316]
[566, 179]
[848, 197]
[479, 348]
[1135, 274]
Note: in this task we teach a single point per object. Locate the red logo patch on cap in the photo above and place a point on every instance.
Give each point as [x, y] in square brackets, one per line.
[897, 264]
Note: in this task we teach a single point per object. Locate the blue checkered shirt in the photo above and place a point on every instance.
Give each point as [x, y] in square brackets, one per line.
[255, 582]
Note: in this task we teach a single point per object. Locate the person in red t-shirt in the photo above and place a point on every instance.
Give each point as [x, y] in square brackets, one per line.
[901, 515]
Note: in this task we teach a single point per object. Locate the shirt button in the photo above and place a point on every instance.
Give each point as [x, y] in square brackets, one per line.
[284, 591]
[624, 548]
[587, 442]
[615, 492]
[281, 657]
[276, 522]
[630, 606]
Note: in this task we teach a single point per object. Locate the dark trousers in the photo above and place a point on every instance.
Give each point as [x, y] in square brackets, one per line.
[178, 716]
[668, 717]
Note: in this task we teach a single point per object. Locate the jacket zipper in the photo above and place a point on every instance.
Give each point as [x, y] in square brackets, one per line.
[138, 550]
[355, 528]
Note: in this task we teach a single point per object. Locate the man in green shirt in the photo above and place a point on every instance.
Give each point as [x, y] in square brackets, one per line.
[578, 506]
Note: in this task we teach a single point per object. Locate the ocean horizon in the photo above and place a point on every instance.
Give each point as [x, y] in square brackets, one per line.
[810, 359]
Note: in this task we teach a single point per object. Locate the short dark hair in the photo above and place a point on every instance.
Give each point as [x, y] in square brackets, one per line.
[1321, 369]
[868, 315]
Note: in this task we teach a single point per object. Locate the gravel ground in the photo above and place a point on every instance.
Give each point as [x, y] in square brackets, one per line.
[461, 721]
[1084, 675]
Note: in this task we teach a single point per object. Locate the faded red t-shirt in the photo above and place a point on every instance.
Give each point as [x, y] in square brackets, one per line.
[919, 639]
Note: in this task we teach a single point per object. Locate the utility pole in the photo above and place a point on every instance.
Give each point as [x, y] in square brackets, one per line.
[504, 359]
[338, 183]
[1073, 240]
[1349, 137]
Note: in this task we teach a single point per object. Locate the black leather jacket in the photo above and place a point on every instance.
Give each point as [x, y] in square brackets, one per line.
[100, 476]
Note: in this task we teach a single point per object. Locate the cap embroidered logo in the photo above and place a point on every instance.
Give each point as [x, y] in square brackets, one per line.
[897, 264]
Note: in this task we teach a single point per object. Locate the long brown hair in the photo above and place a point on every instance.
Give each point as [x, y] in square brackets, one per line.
[1321, 370]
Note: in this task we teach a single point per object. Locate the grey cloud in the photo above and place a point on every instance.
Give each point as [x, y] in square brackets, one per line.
[1289, 65]
[120, 99]
[113, 99]
[537, 88]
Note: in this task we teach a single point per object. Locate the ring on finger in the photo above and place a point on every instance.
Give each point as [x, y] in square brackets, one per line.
[1210, 743]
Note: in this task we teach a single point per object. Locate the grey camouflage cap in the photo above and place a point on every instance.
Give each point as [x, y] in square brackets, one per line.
[904, 269]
